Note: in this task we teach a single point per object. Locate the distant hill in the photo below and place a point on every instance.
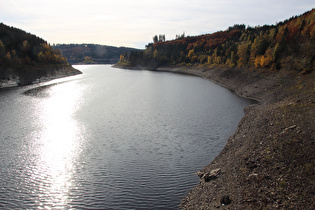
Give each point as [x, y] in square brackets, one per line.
[25, 57]
[91, 53]
[289, 44]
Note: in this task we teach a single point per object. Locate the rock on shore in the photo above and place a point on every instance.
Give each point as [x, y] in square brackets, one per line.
[269, 162]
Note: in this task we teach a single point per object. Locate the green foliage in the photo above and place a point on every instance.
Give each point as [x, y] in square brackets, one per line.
[289, 44]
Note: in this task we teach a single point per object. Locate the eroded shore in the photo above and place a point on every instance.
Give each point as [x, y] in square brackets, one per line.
[269, 161]
[51, 72]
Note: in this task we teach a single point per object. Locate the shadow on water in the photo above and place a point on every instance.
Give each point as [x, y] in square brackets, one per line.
[41, 90]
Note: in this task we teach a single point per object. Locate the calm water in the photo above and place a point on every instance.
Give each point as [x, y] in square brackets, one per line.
[111, 138]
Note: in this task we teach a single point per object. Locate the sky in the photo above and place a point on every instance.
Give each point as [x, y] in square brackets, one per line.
[133, 23]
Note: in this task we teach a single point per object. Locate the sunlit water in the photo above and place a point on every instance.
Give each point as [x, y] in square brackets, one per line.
[111, 138]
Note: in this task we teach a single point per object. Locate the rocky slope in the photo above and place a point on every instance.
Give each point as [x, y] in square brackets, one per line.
[269, 161]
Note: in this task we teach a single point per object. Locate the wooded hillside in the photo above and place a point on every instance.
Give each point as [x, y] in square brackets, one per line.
[28, 57]
[288, 44]
[91, 53]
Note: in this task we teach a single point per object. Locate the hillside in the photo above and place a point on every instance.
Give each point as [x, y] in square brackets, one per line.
[25, 58]
[91, 53]
[289, 44]
[269, 162]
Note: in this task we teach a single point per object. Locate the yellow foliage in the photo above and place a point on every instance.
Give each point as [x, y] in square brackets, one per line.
[264, 60]
[267, 59]
[257, 61]
[13, 53]
[242, 53]
[193, 58]
[26, 45]
[2, 48]
[46, 47]
[121, 58]
[312, 33]
[218, 60]
[8, 56]
[191, 53]
[209, 60]
[41, 57]
[229, 63]
[155, 53]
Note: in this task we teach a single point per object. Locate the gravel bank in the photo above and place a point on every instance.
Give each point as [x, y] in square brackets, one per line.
[269, 162]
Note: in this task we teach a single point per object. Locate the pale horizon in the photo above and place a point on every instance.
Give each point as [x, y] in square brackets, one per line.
[123, 23]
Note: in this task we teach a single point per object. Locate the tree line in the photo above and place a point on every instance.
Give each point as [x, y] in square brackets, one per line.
[19, 49]
[91, 53]
[289, 44]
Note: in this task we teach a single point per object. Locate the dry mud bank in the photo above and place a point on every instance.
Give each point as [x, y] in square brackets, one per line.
[269, 161]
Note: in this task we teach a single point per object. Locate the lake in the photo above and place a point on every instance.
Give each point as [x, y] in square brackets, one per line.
[111, 138]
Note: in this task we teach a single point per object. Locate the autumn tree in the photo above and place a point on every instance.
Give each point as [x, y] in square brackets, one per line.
[41, 57]
[155, 54]
[266, 60]
[287, 44]
[2, 49]
[26, 46]
[191, 53]
[243, 54]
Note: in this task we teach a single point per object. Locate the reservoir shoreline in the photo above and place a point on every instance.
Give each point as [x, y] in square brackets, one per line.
[268, 162]
[104, 123]
[53, 72]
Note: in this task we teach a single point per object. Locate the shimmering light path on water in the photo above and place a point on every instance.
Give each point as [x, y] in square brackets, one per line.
[111, 138]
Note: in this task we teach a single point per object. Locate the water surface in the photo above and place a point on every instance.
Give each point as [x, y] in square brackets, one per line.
[111, 138]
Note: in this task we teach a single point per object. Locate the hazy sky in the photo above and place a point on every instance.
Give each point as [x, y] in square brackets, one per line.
[133, 23]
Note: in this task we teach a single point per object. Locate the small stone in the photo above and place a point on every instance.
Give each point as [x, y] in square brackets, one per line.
[217, 205]
[225, 200]
[253, 175]
[212, 175]
[200, 174]
[292, 126]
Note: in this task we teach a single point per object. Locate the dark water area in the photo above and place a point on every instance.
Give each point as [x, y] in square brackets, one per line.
[111, 139]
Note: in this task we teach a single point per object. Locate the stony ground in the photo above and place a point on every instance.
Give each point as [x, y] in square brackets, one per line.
[269, 162]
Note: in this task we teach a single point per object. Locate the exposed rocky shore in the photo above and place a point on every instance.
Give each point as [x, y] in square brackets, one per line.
[269, 162]
[33, 74]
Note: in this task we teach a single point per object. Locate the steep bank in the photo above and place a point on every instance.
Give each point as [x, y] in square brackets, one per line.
[269, 161]
[36, 74]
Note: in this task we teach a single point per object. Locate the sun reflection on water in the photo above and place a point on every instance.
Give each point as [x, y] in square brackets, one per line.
[61, 140]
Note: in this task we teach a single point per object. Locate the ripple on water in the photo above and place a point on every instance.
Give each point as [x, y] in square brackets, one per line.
[110, 139]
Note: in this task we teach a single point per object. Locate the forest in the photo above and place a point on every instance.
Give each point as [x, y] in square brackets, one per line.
[289, 44]
[22, 53]
[91, 53]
